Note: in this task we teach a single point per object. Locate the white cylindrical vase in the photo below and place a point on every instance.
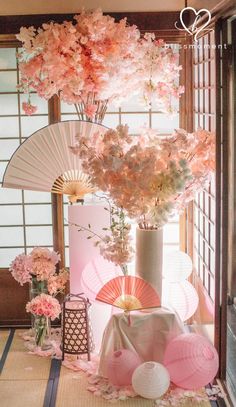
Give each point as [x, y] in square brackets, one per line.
[149, 256]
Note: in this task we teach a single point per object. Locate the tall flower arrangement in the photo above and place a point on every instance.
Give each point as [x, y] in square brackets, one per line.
[149, 176]
[87, 61]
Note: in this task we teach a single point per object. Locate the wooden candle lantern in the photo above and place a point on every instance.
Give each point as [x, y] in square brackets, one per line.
[75, 325]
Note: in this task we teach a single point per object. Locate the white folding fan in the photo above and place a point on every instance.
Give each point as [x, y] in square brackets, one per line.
[44, 162]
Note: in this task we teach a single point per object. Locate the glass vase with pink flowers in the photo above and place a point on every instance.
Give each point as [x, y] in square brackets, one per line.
[44, 308]
[39, 269]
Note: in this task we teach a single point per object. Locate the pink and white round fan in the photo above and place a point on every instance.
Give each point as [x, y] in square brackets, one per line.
[97, 273]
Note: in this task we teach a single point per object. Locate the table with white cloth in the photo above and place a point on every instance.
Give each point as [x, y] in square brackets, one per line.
[146, 333]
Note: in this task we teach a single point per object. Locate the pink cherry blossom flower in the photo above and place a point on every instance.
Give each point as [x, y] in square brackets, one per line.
[151, 176]
[97, 58]
[90, 111]
[57, 282]
[28, 108]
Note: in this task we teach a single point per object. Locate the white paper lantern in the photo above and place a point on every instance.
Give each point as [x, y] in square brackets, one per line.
[151, 380]
[181, 296]
[177, 266]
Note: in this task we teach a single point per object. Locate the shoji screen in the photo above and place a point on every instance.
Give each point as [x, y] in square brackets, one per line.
[204, 203]
[25, 216]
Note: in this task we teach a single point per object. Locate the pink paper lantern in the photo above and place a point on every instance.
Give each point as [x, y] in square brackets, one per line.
[121, 365]
[191, 360]
[182, 297]
[96, 274]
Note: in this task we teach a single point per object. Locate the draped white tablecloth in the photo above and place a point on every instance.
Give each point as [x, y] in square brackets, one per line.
[146, 333]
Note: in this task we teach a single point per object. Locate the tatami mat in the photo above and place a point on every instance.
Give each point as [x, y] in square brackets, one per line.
[22, 393]
[20, 365]
[24, 380]
[4, 334]
[72, 388]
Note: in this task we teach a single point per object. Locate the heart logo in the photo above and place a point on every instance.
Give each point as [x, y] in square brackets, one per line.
[198, 14]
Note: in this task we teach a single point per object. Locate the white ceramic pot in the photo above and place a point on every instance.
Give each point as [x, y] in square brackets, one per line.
[149, 257]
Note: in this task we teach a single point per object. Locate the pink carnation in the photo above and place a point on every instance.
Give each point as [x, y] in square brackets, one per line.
[43, 262]
[44, 305]
[21, 268]
[28, 108]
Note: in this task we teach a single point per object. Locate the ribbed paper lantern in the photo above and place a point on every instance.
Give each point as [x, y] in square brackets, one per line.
[151, 380]
[177, 266]
[121, 365]
[191, 360]
[182, 297]
[97, 273]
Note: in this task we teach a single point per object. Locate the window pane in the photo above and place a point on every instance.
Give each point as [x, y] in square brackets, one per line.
[112, 108]
[135, 121]
[7, 58]
[66, 231]
[168, 248]
[66, 108]
[67, 260]
[8, 147]
[35, 196]
[8, 81]
[38, 214]
[171, 233]
[9, 127]
[9, 104]
[8, 195]
[31, 124]
[2, 169]
[111, 120]
[65, 214]
[164, 123]
[8, 255]
[11, 215]
[12, 236]
[38, 235]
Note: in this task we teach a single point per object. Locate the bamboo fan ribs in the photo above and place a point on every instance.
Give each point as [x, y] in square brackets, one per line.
[129, 293]
[44, 162]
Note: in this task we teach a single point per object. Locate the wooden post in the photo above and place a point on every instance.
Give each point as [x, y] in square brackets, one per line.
[186, 122]
[54, 113]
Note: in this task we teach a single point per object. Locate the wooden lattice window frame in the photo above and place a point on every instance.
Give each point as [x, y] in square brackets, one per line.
[204, 94]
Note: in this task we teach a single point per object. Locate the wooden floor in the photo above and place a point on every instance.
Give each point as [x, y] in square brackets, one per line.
[32, 381]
